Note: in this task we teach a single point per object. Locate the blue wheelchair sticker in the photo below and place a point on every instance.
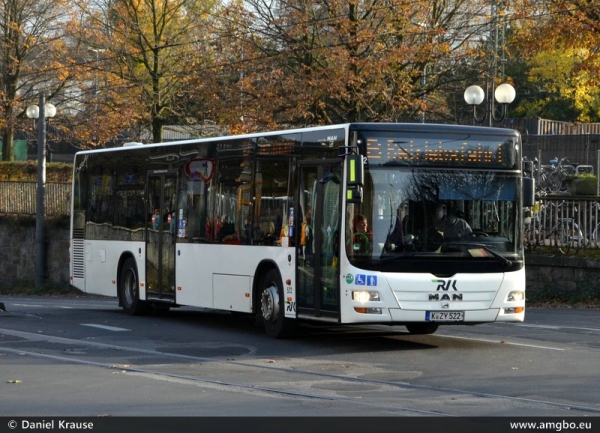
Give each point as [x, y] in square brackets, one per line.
[365, 280]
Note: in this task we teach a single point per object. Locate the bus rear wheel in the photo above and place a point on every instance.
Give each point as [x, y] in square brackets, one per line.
[129, 289]
[272, 307]
[422, 328]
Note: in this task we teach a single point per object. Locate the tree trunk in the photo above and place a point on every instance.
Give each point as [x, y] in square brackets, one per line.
[157, 129]
[7, 140]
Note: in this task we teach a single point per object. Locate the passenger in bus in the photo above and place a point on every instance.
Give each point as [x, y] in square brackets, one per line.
[246, 232]
[278, 222]
[432, 236]
[268, 230]
[173, 217]
[455, 228]
[362, 239]
[208, 228]
[156, 219]
[394, 242]
[303, 237]
[216, 229]
[307, 231]
[287, 231]
[227, 232]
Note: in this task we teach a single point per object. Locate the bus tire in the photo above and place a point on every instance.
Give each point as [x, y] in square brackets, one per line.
[422, 328]
[129, 289]
[272, 307]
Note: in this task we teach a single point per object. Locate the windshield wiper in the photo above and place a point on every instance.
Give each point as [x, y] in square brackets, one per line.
[487, 249]
[391, 257]
[398, 256]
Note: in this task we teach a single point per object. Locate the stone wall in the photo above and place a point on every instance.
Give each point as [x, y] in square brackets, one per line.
[547, 275]
[17, 252]
[563, 277]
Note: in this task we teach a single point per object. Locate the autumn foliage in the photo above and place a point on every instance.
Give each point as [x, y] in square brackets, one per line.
[120, 70]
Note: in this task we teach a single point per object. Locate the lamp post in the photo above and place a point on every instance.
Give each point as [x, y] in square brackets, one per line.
[40, 112]
[423, 84]
[504, 94]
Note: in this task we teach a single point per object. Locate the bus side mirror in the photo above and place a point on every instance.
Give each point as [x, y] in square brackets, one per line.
[355, 170]
[354, 194]
[528, 192]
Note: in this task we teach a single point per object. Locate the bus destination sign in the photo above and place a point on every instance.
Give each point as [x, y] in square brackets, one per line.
[434, 153]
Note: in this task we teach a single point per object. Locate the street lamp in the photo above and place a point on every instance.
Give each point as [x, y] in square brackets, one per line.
[40, 112]
[504, 95]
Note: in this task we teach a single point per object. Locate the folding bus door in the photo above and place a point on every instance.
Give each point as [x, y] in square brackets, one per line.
[318, 279]
[160, 242]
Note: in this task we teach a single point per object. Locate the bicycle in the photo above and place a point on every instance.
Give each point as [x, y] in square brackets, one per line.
[532, 169]
[559, 170]
[551, 225]
[593, 218]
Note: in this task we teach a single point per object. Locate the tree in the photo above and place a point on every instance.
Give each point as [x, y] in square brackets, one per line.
[564, 94]
[307, 62]
[30, 55]
[150, 47]
[559, 40]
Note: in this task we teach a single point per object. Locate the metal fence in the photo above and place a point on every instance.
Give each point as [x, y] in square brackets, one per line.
[562, 223]
[18, 197]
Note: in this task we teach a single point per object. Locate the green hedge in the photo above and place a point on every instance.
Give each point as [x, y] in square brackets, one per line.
[27, 170]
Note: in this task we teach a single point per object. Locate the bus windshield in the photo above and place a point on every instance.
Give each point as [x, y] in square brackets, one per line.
[412, 215]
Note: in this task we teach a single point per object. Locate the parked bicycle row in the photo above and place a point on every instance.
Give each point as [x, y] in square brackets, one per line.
[553, 177]
[567, 225]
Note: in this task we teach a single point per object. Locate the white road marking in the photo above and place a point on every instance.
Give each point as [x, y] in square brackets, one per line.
[28, 305]
[501, 342]
[108, 328]
[554, 328]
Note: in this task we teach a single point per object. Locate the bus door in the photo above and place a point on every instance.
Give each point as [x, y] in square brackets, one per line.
[160, 239]
[319, 199]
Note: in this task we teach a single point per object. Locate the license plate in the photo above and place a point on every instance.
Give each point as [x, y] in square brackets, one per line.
[444, 316]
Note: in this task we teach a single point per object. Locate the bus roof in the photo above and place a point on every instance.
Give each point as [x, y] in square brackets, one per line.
[357, 126]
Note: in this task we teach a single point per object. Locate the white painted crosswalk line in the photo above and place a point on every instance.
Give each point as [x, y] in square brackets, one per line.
[108, 328]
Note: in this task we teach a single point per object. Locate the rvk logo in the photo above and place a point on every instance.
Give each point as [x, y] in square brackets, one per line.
[445, 285]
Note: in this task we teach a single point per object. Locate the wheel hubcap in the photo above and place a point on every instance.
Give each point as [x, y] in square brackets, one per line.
[270, 303]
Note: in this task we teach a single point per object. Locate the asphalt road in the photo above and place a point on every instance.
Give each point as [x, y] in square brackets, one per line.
[85, 357]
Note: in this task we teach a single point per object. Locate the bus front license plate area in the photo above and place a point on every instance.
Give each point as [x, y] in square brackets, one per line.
[445, 316]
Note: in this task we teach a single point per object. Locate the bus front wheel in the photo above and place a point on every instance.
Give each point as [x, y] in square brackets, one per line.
[129, 289]
[272, 307]
[422, 328]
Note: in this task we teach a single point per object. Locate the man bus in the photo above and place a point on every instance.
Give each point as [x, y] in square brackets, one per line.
[264, 224]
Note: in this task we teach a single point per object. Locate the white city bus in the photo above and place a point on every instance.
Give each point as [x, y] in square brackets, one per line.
[268, 224]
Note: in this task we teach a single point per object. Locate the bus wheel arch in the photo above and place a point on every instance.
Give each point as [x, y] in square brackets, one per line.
[269, 297]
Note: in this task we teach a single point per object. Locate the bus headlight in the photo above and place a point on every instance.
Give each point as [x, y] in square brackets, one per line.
[515, 296]
[365, 296]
